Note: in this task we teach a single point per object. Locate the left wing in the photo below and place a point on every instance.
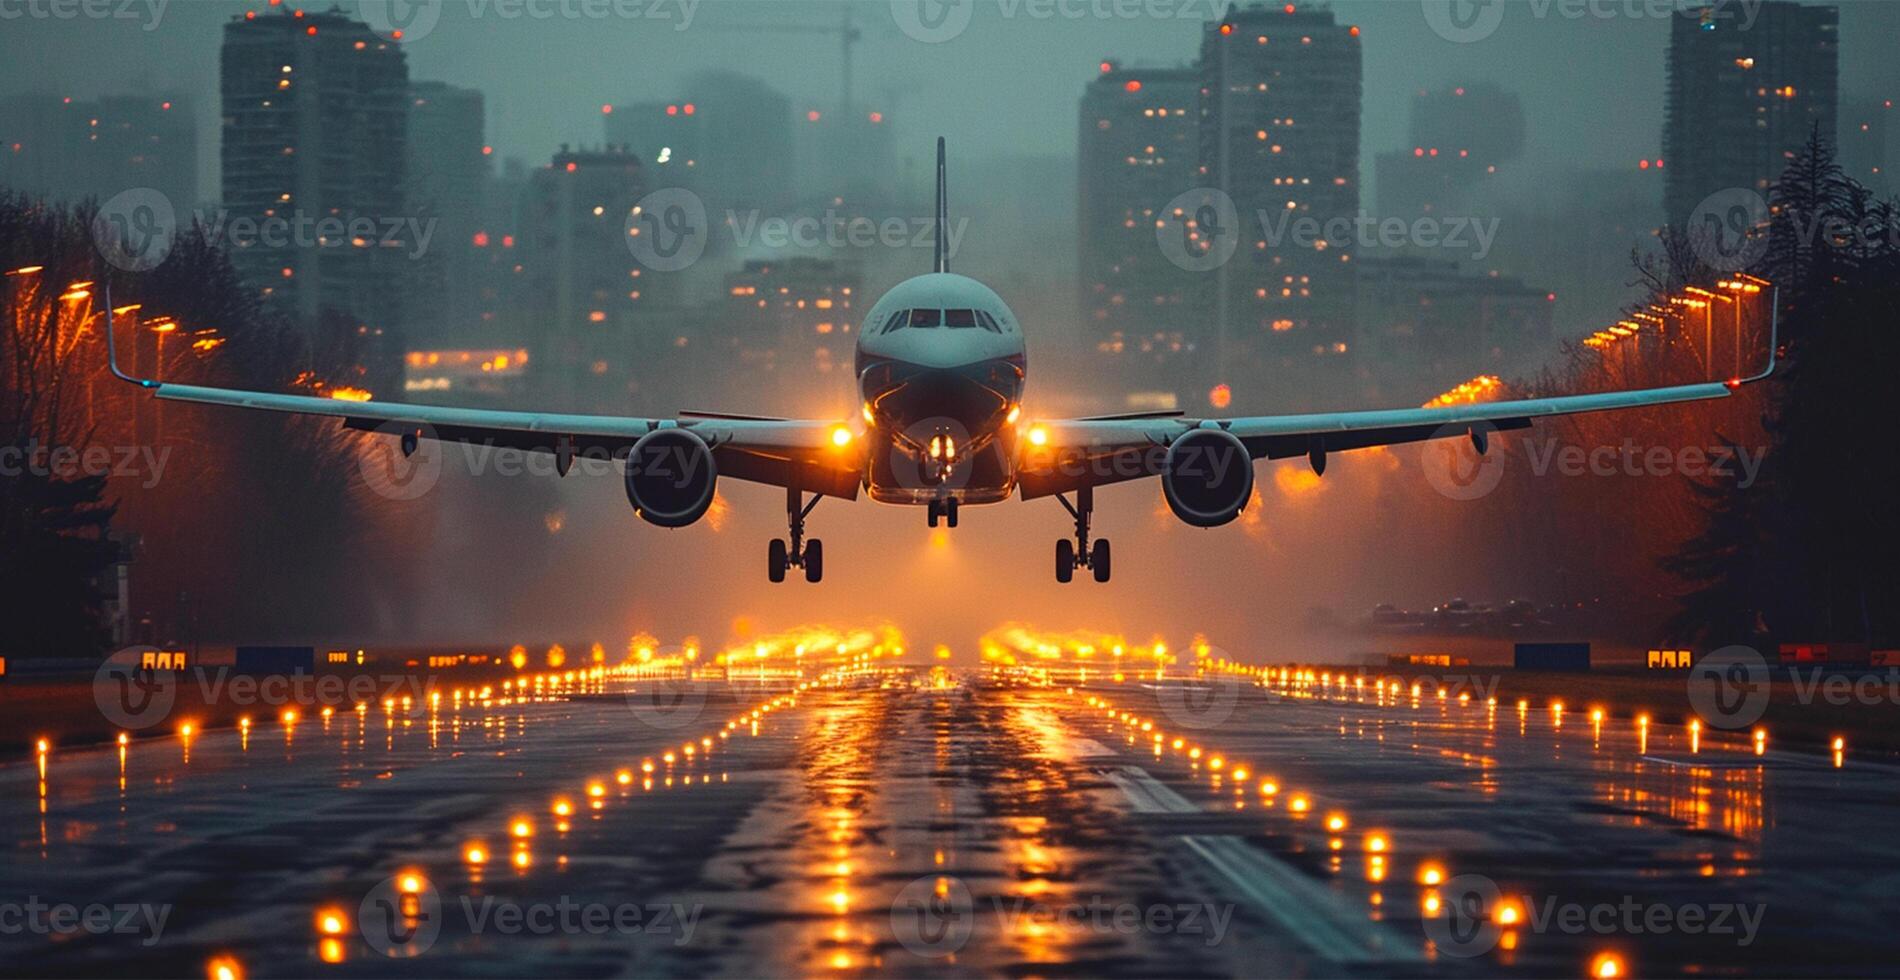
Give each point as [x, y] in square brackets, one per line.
[800, 454]
[1091, 452]
[793, 453]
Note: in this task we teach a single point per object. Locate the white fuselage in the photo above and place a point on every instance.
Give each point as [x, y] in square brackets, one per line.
[940, 368]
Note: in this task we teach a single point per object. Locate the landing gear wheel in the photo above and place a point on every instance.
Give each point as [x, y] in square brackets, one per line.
[797, 553]
[776, 560]
[932, 512]
[950, 512]
[1071, 552]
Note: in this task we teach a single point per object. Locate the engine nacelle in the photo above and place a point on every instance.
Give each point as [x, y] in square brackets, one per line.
[671, 477]
[1208, 477]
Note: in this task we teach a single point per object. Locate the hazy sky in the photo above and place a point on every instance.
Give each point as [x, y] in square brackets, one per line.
[1008, 85]
[1590, 71]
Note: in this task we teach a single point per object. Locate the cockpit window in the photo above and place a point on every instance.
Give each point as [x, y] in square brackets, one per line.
[988, 322]
[926, 318]
[959, 318]
[896, 320]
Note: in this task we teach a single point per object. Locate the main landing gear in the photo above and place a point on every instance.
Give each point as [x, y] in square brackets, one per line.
[944, 510]
[809, 555]
[1077, 552]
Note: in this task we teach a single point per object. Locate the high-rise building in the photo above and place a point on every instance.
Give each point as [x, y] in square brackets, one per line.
[847, 162]
[448, 174]
[581, 278]
[1744, 95]
[67, 149]
[1138, 145]
[728, 138]
[315, 125]
[1577, 242]
[1459, 136]
[794, 319]
[1281, 93]
[1866, 142]
[1425, 324]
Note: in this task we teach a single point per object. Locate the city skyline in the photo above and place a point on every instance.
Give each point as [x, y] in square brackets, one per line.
[560, 103]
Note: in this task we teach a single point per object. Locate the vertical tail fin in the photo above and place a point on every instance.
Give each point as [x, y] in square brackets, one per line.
[943, 217]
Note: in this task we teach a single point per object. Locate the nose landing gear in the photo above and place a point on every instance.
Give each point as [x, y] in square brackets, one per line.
[800, 553]
[944, 510]
[1071, 554]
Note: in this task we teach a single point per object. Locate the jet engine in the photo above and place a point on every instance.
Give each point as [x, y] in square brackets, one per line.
[671, 477]
[1207, 477]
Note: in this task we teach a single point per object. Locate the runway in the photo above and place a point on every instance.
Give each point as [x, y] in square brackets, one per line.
[889, 820]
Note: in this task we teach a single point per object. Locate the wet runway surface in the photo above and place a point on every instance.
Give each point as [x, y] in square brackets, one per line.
[892, 822]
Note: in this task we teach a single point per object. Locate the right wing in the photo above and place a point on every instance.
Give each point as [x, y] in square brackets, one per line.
[1074, 453]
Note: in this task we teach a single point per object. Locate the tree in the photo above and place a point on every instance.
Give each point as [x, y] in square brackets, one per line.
[1808, 549]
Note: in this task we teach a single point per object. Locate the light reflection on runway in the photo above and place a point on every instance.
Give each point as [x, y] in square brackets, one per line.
[871, 820]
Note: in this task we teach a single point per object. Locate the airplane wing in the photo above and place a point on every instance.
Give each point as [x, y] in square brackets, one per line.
[792, 453]
[1091, 452]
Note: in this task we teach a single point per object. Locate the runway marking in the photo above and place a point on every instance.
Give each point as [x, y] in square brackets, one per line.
[1059, 742]
[1313, 914]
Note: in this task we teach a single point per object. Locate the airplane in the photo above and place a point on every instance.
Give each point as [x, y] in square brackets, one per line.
[941, 369]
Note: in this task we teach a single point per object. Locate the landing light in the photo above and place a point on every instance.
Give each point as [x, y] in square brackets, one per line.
[1015, 412]
[840, 436]
[1038, 436]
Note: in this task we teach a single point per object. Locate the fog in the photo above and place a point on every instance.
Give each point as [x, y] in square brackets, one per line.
[1005, 94]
